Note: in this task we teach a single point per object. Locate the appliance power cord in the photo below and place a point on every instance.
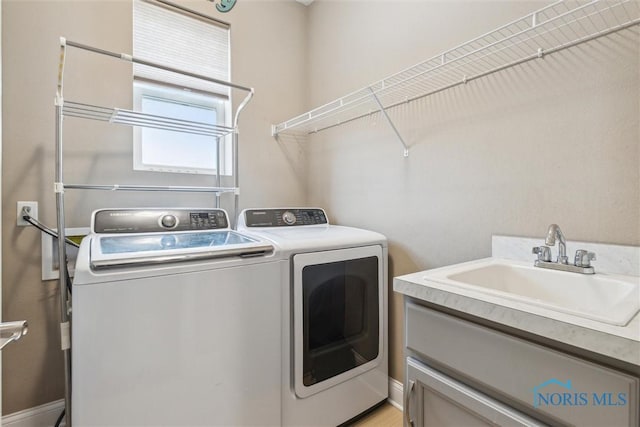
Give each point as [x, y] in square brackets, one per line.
[43, 228]
[59, 420]
[40, 226]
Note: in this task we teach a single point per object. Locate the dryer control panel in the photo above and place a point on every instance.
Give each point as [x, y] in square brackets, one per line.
[284, 217]
[157, 220]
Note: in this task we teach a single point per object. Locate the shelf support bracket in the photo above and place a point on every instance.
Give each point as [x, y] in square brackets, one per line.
[384, 113]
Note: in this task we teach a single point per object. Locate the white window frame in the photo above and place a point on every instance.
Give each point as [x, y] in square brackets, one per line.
[220, 104]
[180, 91]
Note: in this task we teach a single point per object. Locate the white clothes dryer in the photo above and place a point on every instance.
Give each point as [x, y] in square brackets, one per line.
[176, 321]
[335, 363]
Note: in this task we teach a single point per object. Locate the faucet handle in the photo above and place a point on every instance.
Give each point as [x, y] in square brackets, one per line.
[543, 252]
[583, 258]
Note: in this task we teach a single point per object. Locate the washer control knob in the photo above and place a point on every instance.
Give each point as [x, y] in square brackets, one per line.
[289, 218]
[169, 221]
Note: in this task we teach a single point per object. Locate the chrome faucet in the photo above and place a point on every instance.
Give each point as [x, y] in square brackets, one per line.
[582, 261]
[554, 233]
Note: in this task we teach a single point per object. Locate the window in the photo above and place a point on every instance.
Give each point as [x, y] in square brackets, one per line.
[190, 42]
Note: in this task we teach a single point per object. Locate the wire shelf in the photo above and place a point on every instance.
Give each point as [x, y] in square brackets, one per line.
[135, 118]
[172, 188]
[548, 30]
[128, 187]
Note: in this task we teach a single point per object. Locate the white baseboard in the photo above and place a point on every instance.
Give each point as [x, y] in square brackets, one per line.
[47, 414]
[395, 393]
[39, 416]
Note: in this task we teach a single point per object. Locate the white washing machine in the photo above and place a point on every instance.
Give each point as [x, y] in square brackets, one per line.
[335, 363]
[176, 321]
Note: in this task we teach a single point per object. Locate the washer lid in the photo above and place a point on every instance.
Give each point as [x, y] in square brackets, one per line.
[125, 250]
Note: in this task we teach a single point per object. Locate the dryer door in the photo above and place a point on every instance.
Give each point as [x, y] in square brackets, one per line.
[338, 323]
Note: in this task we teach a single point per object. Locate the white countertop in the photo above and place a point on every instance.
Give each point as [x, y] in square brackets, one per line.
[617, 342]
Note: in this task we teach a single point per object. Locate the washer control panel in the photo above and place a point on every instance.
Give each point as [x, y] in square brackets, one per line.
[284, 217]
[157, 220]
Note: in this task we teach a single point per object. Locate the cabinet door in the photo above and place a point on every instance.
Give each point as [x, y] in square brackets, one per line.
[576, 392]
[433, 399]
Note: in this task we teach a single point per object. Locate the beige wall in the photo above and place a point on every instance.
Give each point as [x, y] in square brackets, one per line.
[556, 140]
[1, 318]
[552, 141]
[268, 53]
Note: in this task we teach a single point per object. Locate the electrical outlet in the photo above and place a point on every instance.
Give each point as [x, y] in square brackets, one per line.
[32, 208]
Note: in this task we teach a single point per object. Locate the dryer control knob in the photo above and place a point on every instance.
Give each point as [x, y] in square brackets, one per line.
[289, 218]
[169, 221]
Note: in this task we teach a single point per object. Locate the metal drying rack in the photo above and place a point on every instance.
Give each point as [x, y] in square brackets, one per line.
[548, 30]
[66, 108]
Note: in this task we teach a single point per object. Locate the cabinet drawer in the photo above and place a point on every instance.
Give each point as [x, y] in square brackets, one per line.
[555, 384]
[436, 400]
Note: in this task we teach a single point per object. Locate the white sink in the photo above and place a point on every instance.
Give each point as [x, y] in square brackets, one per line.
[612, 299]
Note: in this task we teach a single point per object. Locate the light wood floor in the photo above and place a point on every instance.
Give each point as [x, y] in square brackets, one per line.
[384, 416]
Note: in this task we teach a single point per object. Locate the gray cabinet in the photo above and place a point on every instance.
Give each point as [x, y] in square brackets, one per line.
[462, 369]
[433, 399]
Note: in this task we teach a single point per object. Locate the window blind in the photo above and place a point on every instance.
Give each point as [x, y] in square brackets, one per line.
[173, 38]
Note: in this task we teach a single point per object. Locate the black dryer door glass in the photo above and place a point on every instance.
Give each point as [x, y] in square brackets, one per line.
[340, 317]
